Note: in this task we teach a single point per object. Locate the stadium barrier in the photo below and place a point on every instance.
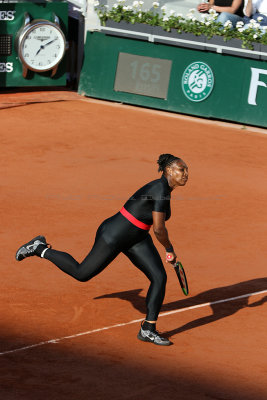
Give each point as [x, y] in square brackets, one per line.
[172, 78]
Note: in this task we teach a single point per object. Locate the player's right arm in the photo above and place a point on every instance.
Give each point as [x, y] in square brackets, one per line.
[162, 236]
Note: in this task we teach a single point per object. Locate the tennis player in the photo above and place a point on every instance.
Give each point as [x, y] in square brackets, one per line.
[128, 232]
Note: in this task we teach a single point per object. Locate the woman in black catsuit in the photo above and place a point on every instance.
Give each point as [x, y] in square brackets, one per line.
[128, 232]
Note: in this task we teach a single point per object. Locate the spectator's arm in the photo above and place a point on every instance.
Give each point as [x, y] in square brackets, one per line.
[204, 7]
[248, 9]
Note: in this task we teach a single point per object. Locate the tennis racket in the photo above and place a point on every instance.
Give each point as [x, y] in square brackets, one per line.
[181, 276]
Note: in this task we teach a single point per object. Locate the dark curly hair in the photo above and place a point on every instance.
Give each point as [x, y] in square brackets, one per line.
[165, 160]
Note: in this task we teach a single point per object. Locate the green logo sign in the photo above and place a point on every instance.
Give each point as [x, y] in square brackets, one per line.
[197, 81]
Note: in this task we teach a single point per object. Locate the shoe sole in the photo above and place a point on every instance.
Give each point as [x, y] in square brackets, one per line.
[150, 341]
[41, 238]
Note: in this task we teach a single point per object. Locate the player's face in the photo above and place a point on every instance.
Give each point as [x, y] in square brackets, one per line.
[179, 173]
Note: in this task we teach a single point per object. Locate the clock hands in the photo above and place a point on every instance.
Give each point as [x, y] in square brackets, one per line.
[44, 45]
[51, 41]
[41, 48]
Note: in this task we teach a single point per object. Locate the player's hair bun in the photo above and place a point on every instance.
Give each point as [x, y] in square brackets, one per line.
[165, 160]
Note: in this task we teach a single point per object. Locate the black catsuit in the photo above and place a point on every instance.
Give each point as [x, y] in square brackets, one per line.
[117, 234]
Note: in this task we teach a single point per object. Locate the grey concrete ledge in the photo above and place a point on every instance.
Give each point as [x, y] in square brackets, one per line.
[158, 35]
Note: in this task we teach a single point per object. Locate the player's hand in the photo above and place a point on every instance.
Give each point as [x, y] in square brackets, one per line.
[171, 257]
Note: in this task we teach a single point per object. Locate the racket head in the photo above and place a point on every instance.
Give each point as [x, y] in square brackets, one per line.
[179, 269]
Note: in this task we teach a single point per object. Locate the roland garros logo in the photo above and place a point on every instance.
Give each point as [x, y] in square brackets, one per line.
[197, 81]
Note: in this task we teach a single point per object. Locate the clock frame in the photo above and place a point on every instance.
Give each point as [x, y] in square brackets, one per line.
[24, 34]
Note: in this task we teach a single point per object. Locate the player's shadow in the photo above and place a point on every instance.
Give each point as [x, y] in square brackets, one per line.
[219, 310]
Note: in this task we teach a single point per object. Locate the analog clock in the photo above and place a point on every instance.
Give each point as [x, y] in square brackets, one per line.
[41, 45]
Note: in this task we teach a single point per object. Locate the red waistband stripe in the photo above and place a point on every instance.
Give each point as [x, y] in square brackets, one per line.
[133, 220]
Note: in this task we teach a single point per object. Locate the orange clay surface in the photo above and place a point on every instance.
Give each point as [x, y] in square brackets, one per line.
[67, 163]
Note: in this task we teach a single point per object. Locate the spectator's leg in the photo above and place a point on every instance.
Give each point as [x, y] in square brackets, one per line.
[225, 16]
[262, 19]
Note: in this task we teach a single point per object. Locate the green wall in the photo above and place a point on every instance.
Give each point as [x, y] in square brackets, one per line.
[234, 79]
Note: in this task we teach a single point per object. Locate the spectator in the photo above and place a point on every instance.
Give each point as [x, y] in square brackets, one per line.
[229, 10]
[257, 10]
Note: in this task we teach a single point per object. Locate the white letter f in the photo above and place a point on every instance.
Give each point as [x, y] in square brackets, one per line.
[254, 83]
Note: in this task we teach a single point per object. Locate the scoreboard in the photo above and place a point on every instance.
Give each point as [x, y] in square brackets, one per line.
[141, 75]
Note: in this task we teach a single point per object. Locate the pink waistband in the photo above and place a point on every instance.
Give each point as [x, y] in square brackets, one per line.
[133, 220]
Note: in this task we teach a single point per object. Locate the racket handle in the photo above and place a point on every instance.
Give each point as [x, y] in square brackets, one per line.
[175, 264]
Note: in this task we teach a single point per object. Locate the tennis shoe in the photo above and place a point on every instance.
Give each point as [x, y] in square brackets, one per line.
[29, 249]
[152, 337]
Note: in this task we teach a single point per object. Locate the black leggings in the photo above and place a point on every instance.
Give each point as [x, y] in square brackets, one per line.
[143, 254]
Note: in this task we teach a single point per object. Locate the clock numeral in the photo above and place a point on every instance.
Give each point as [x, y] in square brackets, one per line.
[49, 61]
[32, 61]
[40, 63]
[26, 55]
[42, 29]
[57, 46]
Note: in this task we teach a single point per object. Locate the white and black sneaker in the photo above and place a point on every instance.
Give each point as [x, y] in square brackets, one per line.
[152, 336]
[29, 249]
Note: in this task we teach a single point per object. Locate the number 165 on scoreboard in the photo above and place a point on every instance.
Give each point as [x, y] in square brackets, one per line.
[141, 75]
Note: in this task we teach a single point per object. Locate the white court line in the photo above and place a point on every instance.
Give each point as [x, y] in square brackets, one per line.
[164, 314]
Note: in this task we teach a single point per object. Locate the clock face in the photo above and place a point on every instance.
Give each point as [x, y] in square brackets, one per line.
[42, 46]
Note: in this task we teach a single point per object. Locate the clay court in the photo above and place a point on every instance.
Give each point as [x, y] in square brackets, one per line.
[63, 158]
